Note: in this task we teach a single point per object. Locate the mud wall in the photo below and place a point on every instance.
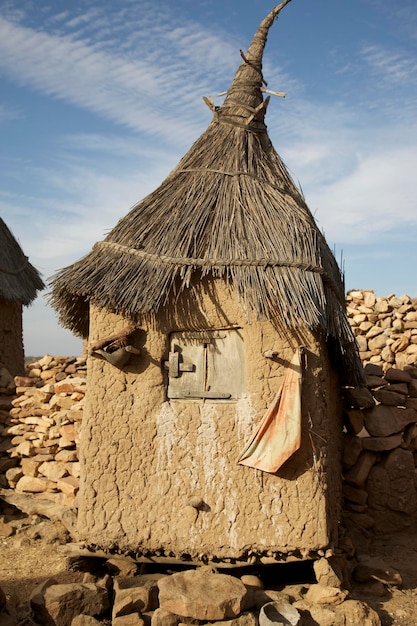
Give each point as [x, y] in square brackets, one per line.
[147, 461]
[11, 337]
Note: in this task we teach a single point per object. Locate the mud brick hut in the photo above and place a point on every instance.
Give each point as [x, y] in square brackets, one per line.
[19, 284]
[218, 340]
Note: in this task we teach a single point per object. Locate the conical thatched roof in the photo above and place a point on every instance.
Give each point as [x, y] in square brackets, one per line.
[19, 280]
[229, 209]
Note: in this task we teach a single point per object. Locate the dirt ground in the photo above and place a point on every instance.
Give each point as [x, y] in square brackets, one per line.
[398, 606]
[29, 557]
[36, 552]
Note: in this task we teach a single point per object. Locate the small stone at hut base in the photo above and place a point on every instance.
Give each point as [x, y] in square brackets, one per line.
[85, 620]
[203, 595]
[318, 594]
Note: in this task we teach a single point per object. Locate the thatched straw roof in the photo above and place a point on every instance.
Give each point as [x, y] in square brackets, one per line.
[19, 280]
[229, 209]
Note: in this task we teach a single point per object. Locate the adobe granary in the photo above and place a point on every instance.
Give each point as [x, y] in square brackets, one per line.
[19, 285]
[218, 336]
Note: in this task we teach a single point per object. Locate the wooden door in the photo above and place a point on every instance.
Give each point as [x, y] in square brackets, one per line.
[206, 364]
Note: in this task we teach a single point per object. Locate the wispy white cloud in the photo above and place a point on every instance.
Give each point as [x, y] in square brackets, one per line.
[86, 195]
[130, 91]
[391, 67]
[377, 197]
[109, 145]
[12, 12]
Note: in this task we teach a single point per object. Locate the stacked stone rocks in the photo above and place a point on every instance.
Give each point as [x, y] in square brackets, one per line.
[380, 452]
[385, 328]
[40, 416]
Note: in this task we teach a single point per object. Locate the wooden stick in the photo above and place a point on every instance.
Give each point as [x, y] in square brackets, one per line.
[209, 102]
[281, 94]
[263, 105]
[122, 335]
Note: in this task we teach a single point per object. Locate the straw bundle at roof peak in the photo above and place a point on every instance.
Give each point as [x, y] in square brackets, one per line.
[229, 210]
[244, 103]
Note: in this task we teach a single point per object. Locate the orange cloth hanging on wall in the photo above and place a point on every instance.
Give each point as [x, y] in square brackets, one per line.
[278, 435]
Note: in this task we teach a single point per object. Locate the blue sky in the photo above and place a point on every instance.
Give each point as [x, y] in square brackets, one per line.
[100, 99]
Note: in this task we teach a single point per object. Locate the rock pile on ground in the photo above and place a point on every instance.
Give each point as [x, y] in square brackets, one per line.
[121, 594]
[40, 416]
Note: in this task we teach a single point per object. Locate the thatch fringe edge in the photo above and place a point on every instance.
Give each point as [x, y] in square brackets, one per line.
[169, 260]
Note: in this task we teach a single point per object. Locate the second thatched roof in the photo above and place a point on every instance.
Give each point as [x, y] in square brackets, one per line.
[19, 280]
[229, 210]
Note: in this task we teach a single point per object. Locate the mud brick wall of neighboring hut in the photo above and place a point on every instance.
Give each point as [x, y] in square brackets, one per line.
[162, 476]
[11, 337]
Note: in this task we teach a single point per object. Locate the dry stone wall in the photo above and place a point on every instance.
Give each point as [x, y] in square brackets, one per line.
[380, 451]
[385, 328]
[40, 414]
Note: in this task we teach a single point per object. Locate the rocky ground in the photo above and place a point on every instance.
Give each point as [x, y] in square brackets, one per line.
[35, 552]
